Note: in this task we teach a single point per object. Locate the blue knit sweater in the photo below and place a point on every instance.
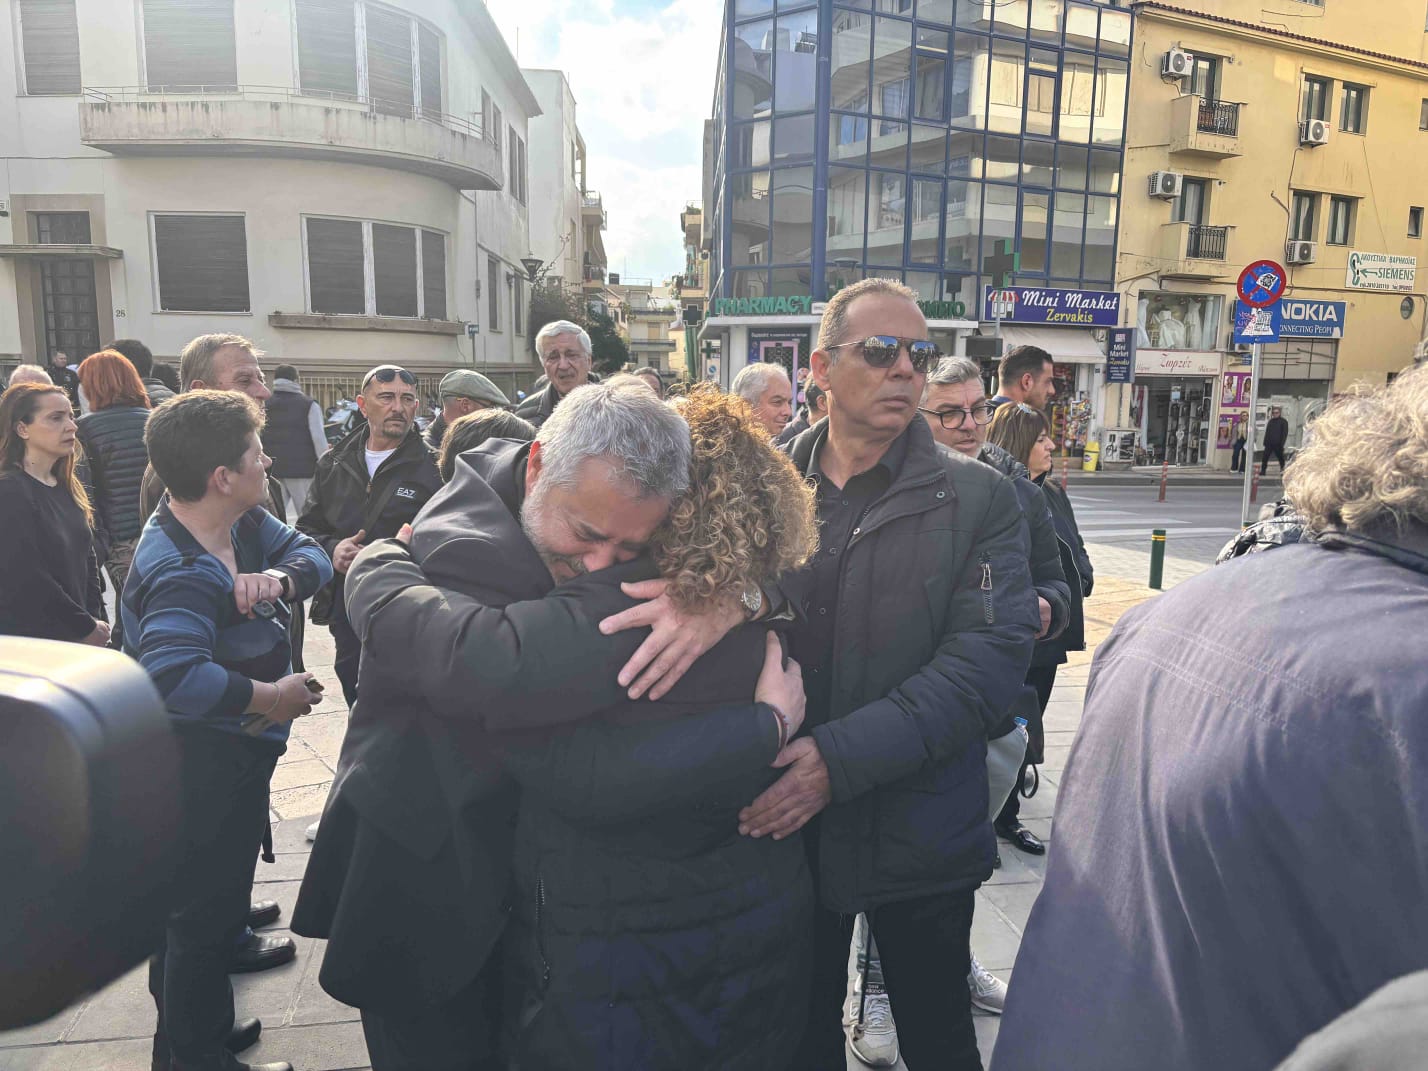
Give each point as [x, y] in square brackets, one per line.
[181, 623]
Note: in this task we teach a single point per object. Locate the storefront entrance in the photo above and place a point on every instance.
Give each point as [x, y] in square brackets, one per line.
[1173, 414]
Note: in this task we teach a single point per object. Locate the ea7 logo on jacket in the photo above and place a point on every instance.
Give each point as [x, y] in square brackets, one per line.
[405, 492]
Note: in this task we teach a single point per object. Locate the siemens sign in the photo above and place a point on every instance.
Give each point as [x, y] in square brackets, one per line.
[1312, 319]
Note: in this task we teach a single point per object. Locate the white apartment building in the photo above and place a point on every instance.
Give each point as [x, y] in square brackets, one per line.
[343, 181]
[557, 153]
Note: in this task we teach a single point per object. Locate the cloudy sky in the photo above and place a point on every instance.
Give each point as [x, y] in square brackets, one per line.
[642, 72]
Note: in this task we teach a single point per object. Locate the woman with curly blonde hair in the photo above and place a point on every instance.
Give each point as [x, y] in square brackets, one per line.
[647, 933]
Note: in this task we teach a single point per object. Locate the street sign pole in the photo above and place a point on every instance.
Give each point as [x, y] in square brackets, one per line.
[1260, 286]
[1255, 351]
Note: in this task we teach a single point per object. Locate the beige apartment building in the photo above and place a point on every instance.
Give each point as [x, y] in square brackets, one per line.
[1291, 130]
[691, 293]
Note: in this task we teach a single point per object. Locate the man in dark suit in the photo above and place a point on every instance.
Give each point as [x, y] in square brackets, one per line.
[1276, 434]
[464, 636]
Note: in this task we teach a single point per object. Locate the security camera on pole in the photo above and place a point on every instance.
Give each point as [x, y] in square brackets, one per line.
[1257, 321]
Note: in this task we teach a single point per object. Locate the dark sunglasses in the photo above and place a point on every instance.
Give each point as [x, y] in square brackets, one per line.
[385, 373]
[880, 351]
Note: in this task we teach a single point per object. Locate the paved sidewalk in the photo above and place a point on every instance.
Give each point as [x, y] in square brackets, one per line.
[111, 1031]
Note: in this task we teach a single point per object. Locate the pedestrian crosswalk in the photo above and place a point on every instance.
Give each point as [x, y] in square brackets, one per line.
[1100, 522]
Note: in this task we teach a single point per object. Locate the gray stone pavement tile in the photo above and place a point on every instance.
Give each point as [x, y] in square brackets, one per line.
[131, 1055]
[319, 1047]
[303, 773]
[996, 936]
[52, 1030]
[123, 1009]
[296, 802]
[1013, 905]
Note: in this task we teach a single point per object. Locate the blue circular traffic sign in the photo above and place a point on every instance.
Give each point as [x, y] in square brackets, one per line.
[1262, 283]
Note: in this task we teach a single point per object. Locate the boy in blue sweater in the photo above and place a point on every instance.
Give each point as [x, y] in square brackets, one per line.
[205, 613]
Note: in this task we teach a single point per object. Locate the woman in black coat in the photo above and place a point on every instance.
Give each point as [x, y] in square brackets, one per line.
[646, 931]
[112, 436]
[49, 579]
[1024, 433]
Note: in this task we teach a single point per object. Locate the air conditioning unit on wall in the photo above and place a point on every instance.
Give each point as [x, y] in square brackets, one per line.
[1177, 64]
[1166, 184]
[1314, 132]
[1299, 252]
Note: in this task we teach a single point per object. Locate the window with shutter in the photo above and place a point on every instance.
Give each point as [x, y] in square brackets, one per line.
[433, 275]
[518, 308]
[49, 37]
[335, 273]
[389, 61]
[394, 270]
[513, 164]
[327, 47]
[202, 263]
[189, 45]
[429, 46]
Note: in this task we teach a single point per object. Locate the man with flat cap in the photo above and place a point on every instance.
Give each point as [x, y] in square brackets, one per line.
[366, 487]
[462, 391]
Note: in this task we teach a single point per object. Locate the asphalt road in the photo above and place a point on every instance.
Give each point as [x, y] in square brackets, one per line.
[1199, 517]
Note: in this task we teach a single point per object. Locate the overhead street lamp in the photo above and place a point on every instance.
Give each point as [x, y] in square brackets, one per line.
[532, 264]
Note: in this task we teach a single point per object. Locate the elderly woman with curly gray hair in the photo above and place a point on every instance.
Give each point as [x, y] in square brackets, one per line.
[1241, 830]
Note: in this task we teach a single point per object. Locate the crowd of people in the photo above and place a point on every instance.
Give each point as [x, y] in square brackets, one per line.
[684, 730]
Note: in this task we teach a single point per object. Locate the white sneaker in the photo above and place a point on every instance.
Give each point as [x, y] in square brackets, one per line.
[311, 833]
[867, 1015]
[988, 991]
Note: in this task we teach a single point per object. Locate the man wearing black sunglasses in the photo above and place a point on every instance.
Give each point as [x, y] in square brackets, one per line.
[365, 488]
[916, 630]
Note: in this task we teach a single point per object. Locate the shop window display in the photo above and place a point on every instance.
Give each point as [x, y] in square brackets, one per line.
[1178, 321]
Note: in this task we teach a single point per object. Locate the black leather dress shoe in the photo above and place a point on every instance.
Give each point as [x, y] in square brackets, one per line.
[1022, 837]
[260, 952]
[244, 1035]
[263, 913]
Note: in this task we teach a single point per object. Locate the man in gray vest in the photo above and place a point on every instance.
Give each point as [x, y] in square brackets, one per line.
[293, 436]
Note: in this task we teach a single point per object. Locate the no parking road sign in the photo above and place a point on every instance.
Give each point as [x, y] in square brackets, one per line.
[1262, 284]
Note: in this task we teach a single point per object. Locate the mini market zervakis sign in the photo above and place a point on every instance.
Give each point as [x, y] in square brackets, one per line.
[1056, 308]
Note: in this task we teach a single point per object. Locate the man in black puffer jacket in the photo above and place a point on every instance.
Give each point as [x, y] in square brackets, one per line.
[920, 616]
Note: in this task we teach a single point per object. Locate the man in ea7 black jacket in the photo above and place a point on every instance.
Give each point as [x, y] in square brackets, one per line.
[365, 488]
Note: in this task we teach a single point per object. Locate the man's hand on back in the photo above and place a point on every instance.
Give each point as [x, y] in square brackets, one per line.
[676, 638]
[786, 806]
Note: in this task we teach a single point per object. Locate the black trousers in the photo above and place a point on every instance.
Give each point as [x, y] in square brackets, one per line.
[1043, 679]
[1277, 451]
[1237, 456]
[925, 948]
[224, 784]
[349, 649]
[459, 1035]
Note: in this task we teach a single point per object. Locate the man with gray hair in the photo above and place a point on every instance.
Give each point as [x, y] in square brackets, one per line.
[565, 351]
[467, 634]
[767, 389]
[29, 373]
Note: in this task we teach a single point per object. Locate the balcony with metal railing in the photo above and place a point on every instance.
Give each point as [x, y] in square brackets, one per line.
[281, 121]
[1195, 251]
[592, 207]
[1201, 126]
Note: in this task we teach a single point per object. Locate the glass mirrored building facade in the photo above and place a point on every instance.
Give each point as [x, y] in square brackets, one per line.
[906, 138]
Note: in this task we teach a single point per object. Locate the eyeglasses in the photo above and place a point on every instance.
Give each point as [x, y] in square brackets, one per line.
[880, 351]
[954, 418]
[556, 356]
[385, 373]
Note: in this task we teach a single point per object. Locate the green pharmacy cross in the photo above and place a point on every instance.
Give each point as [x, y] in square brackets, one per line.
[1002, 265]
